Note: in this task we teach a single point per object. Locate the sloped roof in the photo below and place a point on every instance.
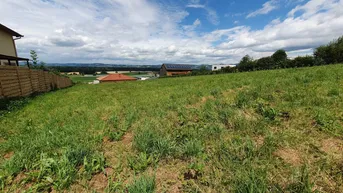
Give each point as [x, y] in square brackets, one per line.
[116, 77]
[178, 66]
[6, 57]
[8, 30]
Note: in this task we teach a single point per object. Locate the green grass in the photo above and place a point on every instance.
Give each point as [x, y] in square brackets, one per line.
[266, 131]
[82, 79]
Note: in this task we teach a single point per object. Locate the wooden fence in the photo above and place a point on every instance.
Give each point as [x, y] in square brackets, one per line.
[21, 81]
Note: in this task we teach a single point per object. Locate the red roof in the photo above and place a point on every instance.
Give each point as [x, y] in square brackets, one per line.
[116, 77]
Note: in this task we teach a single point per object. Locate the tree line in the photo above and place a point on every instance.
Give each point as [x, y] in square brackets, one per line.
[331, 53]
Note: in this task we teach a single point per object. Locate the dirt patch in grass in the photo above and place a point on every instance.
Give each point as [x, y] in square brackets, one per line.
[2, 140]
[248, 114]
[201, 102]
[77, 188]
[333, 147]
[127, 138]
[290, 156]
[168, 176]
[19, 178]
[99, 182]
[117, 151]
[8, 155]
[259, 141]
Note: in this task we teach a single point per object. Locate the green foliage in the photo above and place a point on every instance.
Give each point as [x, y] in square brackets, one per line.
[94, 164]
[279, 56]
[192, 148]
[267, 111]
[265, 63]
[12, 105]
[144, 184]
[34, 57]
[115, 186]
[333, 92]
[303, 184]
[151, 142]
[251, 181]
[35, 62]
[141, 161]
[246, 64]
[331, 53]
[328, 122]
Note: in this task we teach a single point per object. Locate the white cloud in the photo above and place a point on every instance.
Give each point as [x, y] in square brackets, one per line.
[196, 6]
[266, 8]
[212, 15]
[141, 32]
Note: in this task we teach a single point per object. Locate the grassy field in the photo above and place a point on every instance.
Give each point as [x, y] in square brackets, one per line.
[82, 79]
[267, 131]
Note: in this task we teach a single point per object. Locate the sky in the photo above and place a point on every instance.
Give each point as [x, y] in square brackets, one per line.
[170, 31]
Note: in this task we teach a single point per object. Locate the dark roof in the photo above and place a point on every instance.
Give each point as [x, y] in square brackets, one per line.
[5, 57]
[8, 30]
[178, 66]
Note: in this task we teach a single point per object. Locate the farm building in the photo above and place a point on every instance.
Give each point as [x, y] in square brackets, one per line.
[175, 69]
[116, 78]
[73, 73]
[8, 50]
[221, 66]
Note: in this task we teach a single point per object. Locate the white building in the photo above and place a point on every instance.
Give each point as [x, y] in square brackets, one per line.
[221, 66]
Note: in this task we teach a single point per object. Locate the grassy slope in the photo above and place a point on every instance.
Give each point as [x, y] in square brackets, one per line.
[267, 130]
[82, 79]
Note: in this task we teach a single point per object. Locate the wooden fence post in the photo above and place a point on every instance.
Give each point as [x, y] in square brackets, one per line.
[30, 77]
[2, 89]
[20, 85]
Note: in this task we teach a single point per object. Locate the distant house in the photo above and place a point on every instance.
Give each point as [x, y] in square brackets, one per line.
[73, 73]
[221, 66]
[175, 69]
[8, 50]
[116, 78]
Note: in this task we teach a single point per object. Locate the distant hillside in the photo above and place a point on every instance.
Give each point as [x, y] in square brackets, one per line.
[90, 68]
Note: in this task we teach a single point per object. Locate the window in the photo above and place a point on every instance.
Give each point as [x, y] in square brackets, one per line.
[215, 67]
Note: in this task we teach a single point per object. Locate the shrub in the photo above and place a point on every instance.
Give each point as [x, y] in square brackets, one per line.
[304, 61]
[331, 53]
[265, 63]
[246, 64]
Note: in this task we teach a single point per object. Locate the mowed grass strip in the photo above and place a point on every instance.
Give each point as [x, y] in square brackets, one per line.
[266, 131]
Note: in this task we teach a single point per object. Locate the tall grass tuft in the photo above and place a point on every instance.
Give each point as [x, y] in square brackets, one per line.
[151, 142]
[144, 184]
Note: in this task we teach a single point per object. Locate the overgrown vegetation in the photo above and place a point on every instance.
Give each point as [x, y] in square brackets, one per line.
[266, 131]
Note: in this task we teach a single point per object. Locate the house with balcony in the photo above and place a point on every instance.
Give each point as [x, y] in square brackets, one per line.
[8, 50]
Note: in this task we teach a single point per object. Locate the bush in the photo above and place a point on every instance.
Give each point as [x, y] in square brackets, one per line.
[304, 61]
[331, 53]
[246, 64]
[265, 63]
